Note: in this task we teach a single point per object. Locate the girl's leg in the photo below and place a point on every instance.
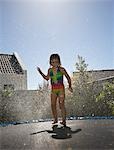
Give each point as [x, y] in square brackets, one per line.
[63, 109]
[53, 107]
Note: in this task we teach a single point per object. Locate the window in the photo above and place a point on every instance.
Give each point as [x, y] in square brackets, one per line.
[8, 87]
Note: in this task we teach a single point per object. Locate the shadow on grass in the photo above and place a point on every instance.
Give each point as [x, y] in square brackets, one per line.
[59, 132]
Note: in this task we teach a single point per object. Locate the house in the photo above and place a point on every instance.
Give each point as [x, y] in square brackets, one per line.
[13, 74]
[98, 75]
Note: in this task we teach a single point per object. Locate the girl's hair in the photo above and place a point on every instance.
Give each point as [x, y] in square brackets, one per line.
[55, 56]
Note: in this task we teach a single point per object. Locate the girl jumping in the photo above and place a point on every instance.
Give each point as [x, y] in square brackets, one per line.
[55, 74]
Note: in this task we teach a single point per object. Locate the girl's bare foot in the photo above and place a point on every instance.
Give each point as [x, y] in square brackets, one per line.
[63, 123]
[55, 122]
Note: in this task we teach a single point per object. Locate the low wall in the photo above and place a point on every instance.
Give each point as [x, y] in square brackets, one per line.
[24, 105]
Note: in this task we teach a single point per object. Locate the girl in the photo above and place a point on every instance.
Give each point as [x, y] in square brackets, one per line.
[55, 74]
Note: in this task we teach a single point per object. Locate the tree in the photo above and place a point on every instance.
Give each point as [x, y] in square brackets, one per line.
[83, 99]
[90, 97]
[106, 97]
[44, 96]
[5, 104]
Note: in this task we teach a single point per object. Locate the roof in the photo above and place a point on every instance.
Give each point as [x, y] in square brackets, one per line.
[10, 64]
[104, 79]
[101, 70]
[104, 70]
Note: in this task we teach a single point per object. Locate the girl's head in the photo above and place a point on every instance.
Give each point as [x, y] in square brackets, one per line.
[55, 60]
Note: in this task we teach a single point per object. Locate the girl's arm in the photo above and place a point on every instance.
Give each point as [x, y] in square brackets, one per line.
[46, 77]
[68, 78]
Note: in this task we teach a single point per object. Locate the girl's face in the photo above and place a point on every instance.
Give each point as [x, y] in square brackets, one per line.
[55, 62]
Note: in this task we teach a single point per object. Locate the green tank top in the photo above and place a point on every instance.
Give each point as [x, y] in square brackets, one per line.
[56, 78]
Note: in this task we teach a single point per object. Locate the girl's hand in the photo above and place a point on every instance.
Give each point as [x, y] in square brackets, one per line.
[70, 89]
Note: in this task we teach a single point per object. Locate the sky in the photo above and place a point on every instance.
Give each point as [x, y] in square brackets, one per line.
[37, 28]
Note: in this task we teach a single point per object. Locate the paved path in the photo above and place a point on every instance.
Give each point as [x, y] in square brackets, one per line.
[79, 135]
